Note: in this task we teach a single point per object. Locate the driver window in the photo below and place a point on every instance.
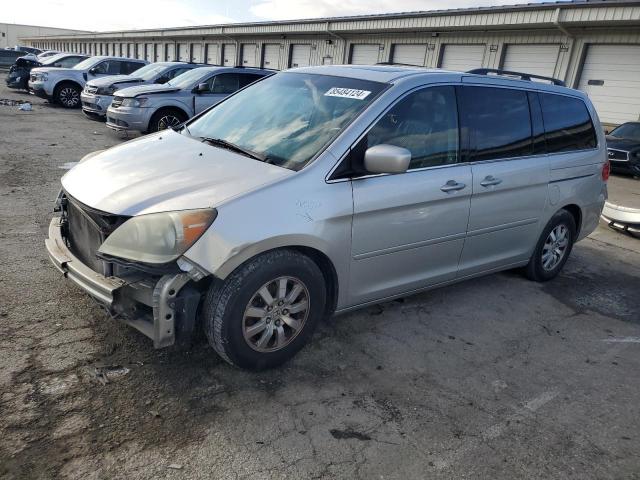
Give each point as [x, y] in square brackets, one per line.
[102, 67]
[424, 122]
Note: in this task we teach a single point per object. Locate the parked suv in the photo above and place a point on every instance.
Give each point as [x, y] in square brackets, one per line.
[64, 85]
[326, 189]
[150, 108]
[20, 71]
[98, 93]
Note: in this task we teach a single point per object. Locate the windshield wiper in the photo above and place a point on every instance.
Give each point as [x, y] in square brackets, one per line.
[218, 142]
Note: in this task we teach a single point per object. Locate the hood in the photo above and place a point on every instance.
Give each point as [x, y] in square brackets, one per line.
[146, 89]
[622, 143]
[163, 172]
[60, 71]
[112, 80]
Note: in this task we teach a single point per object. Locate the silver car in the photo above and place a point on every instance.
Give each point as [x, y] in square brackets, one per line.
[325, 189]
[98, 93]
[150, 108]
[64, 85]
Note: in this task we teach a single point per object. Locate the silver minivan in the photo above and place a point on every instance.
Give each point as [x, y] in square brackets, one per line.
[321, 190]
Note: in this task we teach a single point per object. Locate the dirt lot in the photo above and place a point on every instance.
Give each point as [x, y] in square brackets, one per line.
[496, 378]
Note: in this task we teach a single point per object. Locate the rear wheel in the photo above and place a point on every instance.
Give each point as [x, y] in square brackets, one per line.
[67, 95]
[166, 118]
[553, 247]
[266, 310]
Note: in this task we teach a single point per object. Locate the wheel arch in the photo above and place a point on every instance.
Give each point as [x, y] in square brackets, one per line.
[63, 82]
[576, 213]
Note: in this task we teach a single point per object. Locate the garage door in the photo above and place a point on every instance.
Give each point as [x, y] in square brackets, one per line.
[131, 50]
[183, 52]
[409, 54]
[148, 52]
[212, 53]
[196, 52]
[171, 52]
[229, 54]
[461, 58]
[611, 78]
[536, 59]
[249, 55]
[364, 54]
[158, 57]
[271, 56]
[300, 55]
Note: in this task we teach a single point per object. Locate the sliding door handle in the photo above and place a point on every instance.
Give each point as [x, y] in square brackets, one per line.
[451, 186]
[490, 180]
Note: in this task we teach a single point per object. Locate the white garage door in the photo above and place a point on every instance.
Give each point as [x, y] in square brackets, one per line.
[159, 54]
[229, 55]
[148, 52]
[364, 54]
[462, 58]
[212, 53]
[131, 50]
[183, 52]
[300, 55]
[611, 78]
[196, 52]
[249, 55]
[409, 54]
[171, 52]
[536, 59]
[271, 56]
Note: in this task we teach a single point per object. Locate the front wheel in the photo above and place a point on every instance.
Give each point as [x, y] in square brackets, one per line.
[266, 310]
[68, 95]
[553, 247]
[166, 118]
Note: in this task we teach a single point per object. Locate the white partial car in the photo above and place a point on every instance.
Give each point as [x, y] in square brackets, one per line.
[64, 85]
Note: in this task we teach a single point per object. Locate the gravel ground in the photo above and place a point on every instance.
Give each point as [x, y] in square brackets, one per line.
[496, 378]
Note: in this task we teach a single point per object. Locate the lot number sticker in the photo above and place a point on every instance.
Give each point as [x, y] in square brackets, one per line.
[347, 93]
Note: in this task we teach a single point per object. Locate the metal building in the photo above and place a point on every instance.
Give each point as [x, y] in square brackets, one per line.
[593, 45]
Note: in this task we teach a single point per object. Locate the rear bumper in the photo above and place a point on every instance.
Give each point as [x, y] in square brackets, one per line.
[162, 296]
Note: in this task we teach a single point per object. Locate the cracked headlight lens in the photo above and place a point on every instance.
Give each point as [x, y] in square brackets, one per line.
[158, 237]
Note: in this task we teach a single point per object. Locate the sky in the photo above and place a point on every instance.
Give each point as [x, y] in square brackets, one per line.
[137, 14]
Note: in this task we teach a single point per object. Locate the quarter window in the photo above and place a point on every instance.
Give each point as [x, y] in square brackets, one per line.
[567, 123]
[497, 121]
[425, 122]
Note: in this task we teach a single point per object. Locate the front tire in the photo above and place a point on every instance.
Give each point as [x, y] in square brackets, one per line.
[266, 310]
[166, 118]
[67, 95]
[553, 247]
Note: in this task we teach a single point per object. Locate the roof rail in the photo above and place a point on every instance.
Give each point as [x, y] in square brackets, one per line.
[520, 75]
[399, 64]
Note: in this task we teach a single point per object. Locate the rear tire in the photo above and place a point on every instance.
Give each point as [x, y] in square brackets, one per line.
[266, 310]
[166, 118]
[67, 95]
[553, 247]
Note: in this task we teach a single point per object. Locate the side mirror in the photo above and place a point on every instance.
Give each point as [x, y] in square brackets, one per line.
[93, 70]
[202, 88]
[387, 159]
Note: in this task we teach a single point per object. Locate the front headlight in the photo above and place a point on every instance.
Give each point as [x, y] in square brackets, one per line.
[106, 90]
[134, 102]
[158, 237]
[42, 76]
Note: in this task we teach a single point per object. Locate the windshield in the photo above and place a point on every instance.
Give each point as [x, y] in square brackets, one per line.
[289, 117]
[627, 130]
[88, 63]
[53, 58]
[149, 71]
[187, 79]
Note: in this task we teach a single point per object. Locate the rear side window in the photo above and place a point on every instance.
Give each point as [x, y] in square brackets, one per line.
[225, 83]
[247, 78]
[497, 122]
[129, 67]
[567, 123]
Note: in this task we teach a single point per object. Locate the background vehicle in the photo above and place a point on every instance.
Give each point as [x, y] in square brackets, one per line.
[623, 146]
[149, 108]
[64, 85]
[8, 57]
[20, 72]
[327, 189]
[98, 93]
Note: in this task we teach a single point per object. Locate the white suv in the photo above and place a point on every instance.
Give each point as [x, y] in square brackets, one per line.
[64, 85]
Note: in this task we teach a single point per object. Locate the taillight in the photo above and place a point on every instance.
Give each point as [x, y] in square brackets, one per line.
[606, 170]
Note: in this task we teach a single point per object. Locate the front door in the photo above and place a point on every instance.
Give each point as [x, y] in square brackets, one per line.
[510, 176]
[219, 86]
[409, 228]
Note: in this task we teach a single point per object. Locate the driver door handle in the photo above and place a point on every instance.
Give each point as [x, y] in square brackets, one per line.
[451, 186]
[490, 180]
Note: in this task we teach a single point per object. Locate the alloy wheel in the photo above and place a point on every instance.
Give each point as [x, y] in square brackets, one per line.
[276, 314]
[168, 121]
[69, 97]
[555, 247]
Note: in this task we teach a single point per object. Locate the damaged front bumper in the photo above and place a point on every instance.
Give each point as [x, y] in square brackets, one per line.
[162, 308]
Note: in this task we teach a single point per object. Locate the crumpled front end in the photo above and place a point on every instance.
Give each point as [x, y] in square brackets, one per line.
[160, 302]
